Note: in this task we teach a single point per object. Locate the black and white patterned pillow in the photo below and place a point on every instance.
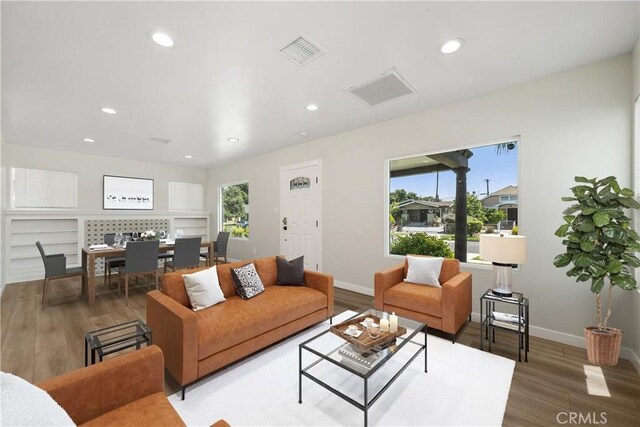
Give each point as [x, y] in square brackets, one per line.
[247, 281]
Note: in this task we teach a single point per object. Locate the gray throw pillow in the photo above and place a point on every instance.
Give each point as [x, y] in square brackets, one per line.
[247, 281]
[290, 273]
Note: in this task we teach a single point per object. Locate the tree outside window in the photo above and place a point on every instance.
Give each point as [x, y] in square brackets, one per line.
[235, 209]
[425, 193]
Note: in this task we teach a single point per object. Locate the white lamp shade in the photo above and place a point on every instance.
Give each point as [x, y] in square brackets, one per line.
[503, 249]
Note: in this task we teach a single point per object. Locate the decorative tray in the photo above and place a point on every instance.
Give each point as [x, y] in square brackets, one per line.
[364, 342]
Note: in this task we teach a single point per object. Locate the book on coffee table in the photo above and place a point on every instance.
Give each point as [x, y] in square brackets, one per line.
[366, 360]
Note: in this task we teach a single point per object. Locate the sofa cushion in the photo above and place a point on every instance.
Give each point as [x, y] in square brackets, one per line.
[173, 286]
[247, 281]
[226, 279]
[450, 267]
[420, 298]
[151, 410]
[226, 325]
[203, 288]
[266, 268]
[290, 273]
[424, 270]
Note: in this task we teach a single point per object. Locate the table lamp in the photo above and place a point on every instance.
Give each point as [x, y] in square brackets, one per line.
[503, 251]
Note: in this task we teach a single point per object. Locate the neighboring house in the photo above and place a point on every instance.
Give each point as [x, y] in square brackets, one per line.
[422, 213]
[505, 199]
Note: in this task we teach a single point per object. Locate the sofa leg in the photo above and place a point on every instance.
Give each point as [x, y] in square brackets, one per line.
[469, 318]
[331, 320]
[183, 391]
[453, 338]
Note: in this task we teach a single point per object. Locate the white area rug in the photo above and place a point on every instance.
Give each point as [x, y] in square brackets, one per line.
[463, 387]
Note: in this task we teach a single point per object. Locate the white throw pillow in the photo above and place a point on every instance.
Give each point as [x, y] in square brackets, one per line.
[203, 288]
[424, 271]
[24, 404]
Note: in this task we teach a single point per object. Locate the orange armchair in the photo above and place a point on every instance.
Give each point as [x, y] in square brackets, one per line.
[446, 308]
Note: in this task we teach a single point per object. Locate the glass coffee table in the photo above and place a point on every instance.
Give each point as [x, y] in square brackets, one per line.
[379, 368]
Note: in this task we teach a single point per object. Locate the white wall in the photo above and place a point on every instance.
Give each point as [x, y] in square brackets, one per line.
[573, 123]
[635, 55]
[635, 58]
[2, 271]
[91, 168]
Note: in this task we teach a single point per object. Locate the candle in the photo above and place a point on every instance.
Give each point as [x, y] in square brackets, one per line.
[384, 325]
[393, 323]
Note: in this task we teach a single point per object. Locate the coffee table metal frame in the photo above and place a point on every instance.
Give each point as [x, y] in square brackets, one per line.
[127, 335]
[325, 356]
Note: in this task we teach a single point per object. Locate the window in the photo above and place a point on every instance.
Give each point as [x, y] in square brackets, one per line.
[235, 209]
[424, 195]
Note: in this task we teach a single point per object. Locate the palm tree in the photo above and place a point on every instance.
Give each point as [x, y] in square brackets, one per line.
[504, 147]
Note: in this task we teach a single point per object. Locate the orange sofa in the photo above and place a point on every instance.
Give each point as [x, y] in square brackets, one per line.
[198, 343]
[446, 308]
[124, 390]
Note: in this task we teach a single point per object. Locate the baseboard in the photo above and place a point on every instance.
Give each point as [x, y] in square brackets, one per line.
[572, 340]
[354, 288]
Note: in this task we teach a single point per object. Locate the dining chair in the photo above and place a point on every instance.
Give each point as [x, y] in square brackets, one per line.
[55, 267]
[113, 261]
[140, 258]
[185, 255]
[219, 248]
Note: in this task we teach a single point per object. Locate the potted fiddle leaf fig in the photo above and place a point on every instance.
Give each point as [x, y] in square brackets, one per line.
[600, 249]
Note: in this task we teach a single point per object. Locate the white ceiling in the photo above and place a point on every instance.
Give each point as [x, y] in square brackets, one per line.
[225, 77]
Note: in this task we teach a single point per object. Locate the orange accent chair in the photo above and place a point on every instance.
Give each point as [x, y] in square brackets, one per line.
[123, 390]
[446, 308]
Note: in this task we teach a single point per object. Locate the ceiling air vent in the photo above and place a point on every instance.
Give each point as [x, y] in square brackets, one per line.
[302, 50]
[385, 87]
[158, 140]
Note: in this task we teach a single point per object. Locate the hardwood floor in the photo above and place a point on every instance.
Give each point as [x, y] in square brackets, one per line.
[40, 344]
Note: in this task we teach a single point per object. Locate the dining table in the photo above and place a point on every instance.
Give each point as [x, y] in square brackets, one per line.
[90, 255]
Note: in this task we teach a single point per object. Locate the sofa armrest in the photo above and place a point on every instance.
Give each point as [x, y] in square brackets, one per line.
[384, 280]
[90, 392]
[175, 331]
[323, 283]
[456, 302]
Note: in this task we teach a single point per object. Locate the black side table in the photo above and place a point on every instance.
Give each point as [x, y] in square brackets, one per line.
[518, 323]
[116, 338]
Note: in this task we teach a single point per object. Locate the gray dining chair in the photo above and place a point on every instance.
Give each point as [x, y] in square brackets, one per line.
[114, 261]
[140, 258]
[219, 248]
[186, 254]
[55, 267]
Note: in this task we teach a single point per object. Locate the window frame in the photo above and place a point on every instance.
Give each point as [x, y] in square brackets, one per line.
[386, 192]
[221, 208]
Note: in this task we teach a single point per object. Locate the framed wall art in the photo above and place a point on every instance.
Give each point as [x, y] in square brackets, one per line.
[126, 193]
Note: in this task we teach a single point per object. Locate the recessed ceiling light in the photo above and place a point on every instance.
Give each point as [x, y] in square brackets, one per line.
[303, 134]
[162, 39]
[108, 110]
[233, 139]
[311, 107]
[88, 140]
[451, 46]
[188, 156]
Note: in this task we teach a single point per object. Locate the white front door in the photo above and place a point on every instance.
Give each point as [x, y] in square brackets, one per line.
[300, 211]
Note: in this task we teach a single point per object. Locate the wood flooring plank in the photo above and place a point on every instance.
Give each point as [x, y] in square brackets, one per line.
[49, 329]
[50, 363]
[18, 362]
